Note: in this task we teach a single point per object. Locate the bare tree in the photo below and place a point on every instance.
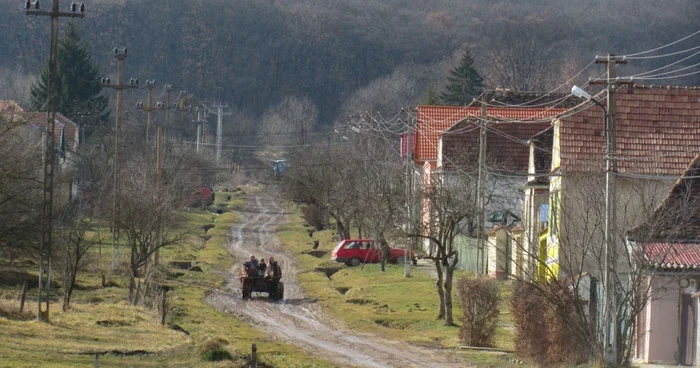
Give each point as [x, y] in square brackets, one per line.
[521, 53]
[290, 121]
[149, 216]
[451, 212]
[74, 236]
[20, 186]
[380, 194]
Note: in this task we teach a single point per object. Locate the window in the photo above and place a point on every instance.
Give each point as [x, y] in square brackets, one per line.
[351, 245]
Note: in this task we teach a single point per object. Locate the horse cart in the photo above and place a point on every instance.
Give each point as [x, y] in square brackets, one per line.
[253, 281]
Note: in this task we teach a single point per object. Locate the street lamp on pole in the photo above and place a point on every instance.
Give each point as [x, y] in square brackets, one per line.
[610, 169]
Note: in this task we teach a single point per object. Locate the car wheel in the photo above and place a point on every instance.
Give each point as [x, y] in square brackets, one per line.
[354, 262]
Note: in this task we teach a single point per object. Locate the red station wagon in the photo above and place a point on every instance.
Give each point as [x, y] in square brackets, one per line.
[355, 251]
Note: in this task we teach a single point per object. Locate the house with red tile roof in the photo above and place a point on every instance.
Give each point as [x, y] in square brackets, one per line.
[657, 130]
[66, 132]
[667, 250]
[447, 142]
[66, 137]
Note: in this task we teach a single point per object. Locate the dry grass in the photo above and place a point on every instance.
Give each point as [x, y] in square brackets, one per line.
[101, 321]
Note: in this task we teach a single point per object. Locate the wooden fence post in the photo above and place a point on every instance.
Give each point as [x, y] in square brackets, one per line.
[254, 357]
[22, 297]
[163, 307]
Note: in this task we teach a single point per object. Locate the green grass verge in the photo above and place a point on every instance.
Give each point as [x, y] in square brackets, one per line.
[131, 336]
[385, 303]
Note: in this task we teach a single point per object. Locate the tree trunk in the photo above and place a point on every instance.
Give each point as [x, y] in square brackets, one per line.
[440, 290]
[132, 285]
[69, 275]
[23, 297]
[449, 272]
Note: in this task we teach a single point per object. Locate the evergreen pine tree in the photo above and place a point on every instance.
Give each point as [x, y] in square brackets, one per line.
[78, 87]
[465, 83]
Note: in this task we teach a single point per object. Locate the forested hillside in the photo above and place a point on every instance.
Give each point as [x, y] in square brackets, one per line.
[254, 53]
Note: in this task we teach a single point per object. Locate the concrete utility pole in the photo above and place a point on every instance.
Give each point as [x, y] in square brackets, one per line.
[480, 203]
[199, 123]
[119, 54]
[150, 85]
[409, 197]
[49, 153]
[219, 129]
[183, 105]
[159, 150]
[159, 136]
[610, 250]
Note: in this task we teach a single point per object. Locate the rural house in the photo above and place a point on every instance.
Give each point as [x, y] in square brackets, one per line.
[668, 250]
[446, 141]
[657, 130]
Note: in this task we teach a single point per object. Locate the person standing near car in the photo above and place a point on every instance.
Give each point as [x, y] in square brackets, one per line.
[273, 274]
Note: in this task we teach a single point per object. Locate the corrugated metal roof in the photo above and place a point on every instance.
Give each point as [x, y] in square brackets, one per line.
[672, 256]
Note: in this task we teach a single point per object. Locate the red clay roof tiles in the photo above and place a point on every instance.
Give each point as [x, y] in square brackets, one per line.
[433, 120]
[506, 144]
[657, 132]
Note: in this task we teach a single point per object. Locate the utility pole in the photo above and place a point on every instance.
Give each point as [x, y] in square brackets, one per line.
[199, 123]
[182, 106]
[49, 154]
[409, 196]
[150, 85]
[480, 203]
[159, 151]
[219, 130]
[120, 54]
[610, 248]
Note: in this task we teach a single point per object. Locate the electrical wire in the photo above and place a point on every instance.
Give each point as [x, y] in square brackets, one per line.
[662, 47]
[668, 65]
[665, 55]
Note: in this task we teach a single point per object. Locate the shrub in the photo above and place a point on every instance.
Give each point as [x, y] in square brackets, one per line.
[479, 298]
[315, 217]
[213, 350]
[527, 309]
[542, 335]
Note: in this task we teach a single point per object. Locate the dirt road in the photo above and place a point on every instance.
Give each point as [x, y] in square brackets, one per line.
[297, 319]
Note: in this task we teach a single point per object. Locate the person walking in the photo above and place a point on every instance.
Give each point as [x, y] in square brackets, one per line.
[273, 274]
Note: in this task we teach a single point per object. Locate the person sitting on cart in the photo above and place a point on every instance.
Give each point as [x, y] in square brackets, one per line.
[262, 266]
[273, 274]
[253, 262]
[248, 276]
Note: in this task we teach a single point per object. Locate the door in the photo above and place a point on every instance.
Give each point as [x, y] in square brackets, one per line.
[688, 336]
[372, 253]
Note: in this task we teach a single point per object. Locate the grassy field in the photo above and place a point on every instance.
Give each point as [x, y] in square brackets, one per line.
[101, 321]
[385, 303]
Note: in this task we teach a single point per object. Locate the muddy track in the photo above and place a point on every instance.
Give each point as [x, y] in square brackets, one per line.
[297, 319]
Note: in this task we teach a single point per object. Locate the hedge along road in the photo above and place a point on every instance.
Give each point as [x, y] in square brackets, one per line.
[297, 319]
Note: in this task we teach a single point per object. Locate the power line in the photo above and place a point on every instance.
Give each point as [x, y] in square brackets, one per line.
[661, 47]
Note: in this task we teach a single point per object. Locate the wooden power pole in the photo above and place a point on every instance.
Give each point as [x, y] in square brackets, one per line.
[49, 152]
